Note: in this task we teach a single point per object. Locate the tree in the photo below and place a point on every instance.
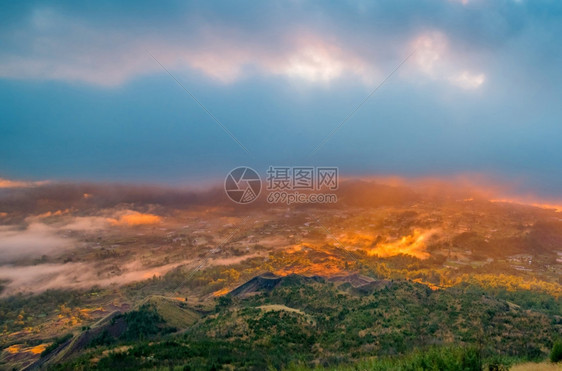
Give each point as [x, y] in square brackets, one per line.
[556, 353]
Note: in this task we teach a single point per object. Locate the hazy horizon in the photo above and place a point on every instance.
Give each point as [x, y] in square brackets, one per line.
[470, 87]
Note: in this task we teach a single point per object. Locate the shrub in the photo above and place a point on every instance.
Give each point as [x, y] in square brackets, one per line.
[104, 338]
[556, 353]
[144, 323]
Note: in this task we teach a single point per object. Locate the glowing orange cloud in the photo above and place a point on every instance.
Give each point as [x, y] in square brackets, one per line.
[55, 213]
[555, 207]
[7, 183]
[468, 187]
[357, 239]
[135, 218]
[413, 245]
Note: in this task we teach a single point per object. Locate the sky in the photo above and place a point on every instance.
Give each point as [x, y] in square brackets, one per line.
[90, 91]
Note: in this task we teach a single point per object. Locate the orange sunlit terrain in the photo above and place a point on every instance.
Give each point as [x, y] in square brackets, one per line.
[135, 218]
[413, 245]
[199, 252]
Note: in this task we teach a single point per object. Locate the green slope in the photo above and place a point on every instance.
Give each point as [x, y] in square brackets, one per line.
[314, 322]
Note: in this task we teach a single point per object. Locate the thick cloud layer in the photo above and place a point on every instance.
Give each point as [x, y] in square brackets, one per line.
[312, 40]
[82, 98]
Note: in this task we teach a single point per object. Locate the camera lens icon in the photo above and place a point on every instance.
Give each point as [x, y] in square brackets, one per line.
[242, 185]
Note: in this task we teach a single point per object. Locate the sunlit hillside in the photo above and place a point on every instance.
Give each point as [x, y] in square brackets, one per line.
[72, 261]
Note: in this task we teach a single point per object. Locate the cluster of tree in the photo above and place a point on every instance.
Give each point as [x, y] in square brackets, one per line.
[139, 325]
[301, 324]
